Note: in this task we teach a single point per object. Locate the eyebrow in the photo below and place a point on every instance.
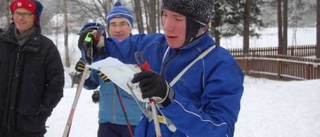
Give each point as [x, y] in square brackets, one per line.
[26, 12]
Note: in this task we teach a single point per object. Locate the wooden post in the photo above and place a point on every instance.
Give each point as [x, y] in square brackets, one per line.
[279, 70]
[308, 71]
[246, 64]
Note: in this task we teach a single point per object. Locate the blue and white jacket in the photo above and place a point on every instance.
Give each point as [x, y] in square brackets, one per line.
[109, 105]
[207, 97]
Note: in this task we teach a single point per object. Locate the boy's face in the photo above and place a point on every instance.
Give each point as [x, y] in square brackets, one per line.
[119, 28]
[23, 19]
[174, 25]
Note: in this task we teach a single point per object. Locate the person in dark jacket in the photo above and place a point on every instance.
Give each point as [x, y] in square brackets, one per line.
[196, 84]
[31, 73]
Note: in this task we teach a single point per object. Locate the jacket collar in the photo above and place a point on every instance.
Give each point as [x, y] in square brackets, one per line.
[202, 43]
[31, 44]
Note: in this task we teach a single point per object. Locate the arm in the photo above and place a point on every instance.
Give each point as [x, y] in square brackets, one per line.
[93, 81]
[54, 79]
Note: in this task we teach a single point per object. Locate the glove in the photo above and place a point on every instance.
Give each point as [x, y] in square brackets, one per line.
[80, 66]
[91, 41]
[95, 96]
[103, 77]
[155, 87]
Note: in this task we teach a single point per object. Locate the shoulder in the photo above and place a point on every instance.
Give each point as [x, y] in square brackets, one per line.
[144, 37]
[45, 39]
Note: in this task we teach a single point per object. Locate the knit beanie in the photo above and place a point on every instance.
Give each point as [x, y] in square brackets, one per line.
[199, 10]
[198, 14]
[119, 11]
[34, 6]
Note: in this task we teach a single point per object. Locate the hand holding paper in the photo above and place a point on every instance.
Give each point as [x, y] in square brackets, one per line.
[120, 74]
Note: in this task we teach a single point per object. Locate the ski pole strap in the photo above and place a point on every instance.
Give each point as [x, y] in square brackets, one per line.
[88, 38]
[162, 120]
[202, 55]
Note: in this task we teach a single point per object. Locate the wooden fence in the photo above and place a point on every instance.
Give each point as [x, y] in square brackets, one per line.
[301, 50]
[265, 62]
[279, 67]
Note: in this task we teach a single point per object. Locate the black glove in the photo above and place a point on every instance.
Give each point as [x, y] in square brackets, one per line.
[90, 45]
[153, 86]
[95, 96]
[103, 77]
[80, 66]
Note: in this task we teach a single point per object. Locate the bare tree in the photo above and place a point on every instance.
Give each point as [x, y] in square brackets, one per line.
[65, 32]
[282, 26]
[318, 30]
[4, 11]
[138, 14]
[285, 28]
[151, 11]
[279, 11]
[246, 27]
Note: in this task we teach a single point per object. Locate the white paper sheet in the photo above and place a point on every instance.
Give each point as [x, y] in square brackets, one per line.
[120, 74]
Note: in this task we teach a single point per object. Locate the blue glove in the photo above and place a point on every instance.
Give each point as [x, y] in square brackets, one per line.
[90, 44]
[153, 86]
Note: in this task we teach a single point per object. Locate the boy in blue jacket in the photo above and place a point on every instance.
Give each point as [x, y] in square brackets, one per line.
[197, 84]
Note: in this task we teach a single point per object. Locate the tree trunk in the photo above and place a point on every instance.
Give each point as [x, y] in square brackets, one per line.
[138, 14]
[152, 15]
[280, 44]
[65, 31]
[285, 28]
[145, 3]
[159, 16]
[318, 30]
[246, 27]
[217, 20]
[8, 16]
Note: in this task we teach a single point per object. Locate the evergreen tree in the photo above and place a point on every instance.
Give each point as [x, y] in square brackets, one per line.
[228, 15]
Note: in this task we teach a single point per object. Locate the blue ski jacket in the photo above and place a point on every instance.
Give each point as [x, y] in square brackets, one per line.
[109, 105]
[206, 98]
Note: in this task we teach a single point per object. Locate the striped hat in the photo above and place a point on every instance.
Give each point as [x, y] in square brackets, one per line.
[119, 11]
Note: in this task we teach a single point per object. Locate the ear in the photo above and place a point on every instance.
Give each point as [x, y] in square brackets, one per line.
[204, 29]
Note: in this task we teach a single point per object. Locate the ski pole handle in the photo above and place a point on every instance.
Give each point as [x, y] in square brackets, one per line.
[145, 66]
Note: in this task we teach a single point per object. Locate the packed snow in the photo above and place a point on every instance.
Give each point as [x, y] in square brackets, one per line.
[269, 108]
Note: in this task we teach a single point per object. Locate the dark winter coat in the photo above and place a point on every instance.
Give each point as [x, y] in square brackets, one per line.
[31, 83]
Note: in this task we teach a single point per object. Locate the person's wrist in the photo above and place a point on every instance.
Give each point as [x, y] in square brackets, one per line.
[167, 100]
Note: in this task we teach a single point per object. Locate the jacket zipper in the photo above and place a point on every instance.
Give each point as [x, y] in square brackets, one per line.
[163, 67]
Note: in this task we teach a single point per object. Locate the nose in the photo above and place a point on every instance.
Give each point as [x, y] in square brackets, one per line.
[167, 25]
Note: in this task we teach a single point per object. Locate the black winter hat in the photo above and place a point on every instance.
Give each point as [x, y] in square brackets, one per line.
[198, 10]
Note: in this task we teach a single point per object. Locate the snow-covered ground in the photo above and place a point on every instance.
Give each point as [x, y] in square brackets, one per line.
[269, 108]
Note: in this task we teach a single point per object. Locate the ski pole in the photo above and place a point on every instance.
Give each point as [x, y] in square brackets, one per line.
[124, 111]
[155, 117]
[145, 67]
[75, 102]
